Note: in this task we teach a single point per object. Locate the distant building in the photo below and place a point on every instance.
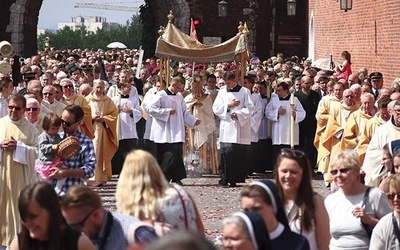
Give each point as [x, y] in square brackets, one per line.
[91, 24]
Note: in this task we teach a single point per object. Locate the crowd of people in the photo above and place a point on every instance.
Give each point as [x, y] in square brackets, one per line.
[151, 131]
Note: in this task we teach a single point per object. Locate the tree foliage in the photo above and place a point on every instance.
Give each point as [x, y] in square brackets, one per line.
[129, 34]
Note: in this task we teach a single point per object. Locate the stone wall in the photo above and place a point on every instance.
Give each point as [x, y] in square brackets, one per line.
[18, 24]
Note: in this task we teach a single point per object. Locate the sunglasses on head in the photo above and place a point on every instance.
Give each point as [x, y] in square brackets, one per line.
[292, 152]
[341, 170]
[68, 124]
[392, 195]
[14, 107]
[32, 109]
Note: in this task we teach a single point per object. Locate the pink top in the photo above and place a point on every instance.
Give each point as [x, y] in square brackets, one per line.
[345, 72]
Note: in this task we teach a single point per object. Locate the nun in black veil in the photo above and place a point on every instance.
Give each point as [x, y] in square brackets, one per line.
[262, 197]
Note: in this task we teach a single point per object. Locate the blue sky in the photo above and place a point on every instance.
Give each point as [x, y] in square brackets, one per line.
[55, 11]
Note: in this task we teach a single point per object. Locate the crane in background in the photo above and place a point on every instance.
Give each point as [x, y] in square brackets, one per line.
[106, 6]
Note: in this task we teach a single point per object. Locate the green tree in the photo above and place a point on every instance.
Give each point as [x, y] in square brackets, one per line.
[129, 34]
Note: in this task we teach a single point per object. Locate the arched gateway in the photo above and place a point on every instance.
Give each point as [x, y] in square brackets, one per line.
[19, 19]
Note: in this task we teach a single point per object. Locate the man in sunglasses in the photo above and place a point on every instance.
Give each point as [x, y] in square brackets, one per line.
[81, 166]
[33, 114]
[49, 97]
[84, 212]
[19, 150]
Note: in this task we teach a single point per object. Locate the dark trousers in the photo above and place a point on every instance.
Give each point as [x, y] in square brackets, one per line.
[252, 157]
[169, 156]
[264, 156]
[125, 146]
[150, 147]
[306, 143]
[234, 162]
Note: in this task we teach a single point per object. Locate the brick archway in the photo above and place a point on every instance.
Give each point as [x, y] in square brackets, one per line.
[19, 19]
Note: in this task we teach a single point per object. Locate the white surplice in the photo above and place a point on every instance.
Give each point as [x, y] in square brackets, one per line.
[234, 130]
[167, 128]
[127, 122]
[281, 123]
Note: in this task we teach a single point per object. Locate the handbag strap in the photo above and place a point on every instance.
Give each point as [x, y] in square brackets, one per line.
[364, 202]
[395, 227]
[183, 205]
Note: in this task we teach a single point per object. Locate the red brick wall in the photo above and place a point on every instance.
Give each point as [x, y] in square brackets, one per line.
[370, 32]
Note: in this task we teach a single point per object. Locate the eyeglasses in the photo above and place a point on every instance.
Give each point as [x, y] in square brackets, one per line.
[392, 195]
[68, 124]
[78, 226]
[68, 86]
[341, 170]
[48, 93]
[292, 152]
[32, 109]
[14, 107]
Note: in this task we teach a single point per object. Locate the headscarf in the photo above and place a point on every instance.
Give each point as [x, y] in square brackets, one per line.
[257, 229]
[272, 191]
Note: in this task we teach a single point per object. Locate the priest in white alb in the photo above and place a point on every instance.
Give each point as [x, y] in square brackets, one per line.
[19, 150]
[385, 133]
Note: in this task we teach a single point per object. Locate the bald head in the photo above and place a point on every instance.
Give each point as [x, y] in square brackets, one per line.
[395, 96]
[85, 89]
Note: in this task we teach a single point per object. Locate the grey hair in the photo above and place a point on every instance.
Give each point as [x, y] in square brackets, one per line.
[33, 101]
[237, 220]
[65, 80]
[365, 95]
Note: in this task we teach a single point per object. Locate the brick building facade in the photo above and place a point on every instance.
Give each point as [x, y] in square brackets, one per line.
[370, 32]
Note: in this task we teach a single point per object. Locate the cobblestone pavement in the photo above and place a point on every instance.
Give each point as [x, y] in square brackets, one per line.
[214, 202]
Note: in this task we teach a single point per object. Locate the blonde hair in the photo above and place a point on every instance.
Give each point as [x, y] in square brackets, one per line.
[140, 185]
[394, 181]
[346, 157]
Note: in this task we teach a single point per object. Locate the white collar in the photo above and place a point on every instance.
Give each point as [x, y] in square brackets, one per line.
[277, 231]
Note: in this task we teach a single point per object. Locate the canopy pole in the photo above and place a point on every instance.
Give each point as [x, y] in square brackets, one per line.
[168, 72]
[242, 67]
[161, 73]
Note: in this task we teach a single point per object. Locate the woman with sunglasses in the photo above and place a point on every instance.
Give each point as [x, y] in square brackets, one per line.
[354, 209]
[386, 234]
[304, 208]
[42, 225]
